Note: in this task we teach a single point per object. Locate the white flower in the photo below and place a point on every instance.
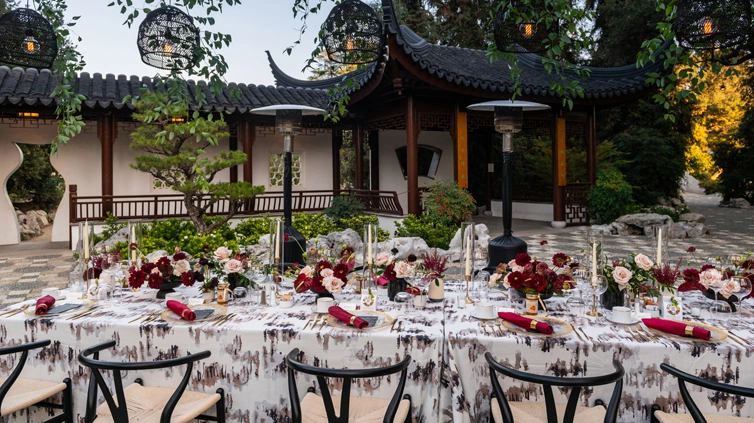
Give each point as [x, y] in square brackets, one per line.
[493, 279]
[185, 237]
[513, 267]
[643, 262]
[383, 259]
[332, 284]
[308, 271]
[711, 277]
[622, 276]
[729, 288]
[222, 254]
[506, 284]
[180, 267]
[233, 266]
[326, 273]
[403, 269]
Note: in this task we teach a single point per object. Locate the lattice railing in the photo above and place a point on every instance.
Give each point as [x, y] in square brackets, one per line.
[576, 204]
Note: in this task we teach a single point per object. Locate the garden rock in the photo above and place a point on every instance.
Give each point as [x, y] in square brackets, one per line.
[347, 237]
[155, 255]
[692, 218]
[604, 229]
[120, 236]
[482, 234]
[405, 247]
[623, 229]
[31, 223]
[644, 220]
[690, 230]
[736, 203]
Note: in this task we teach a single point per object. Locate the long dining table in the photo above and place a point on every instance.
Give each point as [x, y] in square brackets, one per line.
[448, 379]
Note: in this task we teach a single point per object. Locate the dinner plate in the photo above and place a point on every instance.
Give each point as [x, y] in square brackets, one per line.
[216, 310]
[634, 320]
[559, 327]
[482, 318]
[716, 334]
[68, 307]
[376, 320]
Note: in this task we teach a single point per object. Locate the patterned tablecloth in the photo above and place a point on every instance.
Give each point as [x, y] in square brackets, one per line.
[448, 379]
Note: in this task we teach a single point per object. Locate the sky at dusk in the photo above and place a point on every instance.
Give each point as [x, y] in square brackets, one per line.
[256, 25]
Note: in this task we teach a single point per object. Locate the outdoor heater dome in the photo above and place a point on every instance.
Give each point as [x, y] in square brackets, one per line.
[713, 24]
[509, 119]
[168, 39]
[352, 33]
[530, 33]
[27, 39]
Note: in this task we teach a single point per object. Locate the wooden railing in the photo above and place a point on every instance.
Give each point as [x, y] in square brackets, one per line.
[95, 208]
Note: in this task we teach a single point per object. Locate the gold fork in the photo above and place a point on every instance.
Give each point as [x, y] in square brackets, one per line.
[15, 311]
[649, 334]
[639, 334]
[499, 327]
[311, 319]
[483, 326]
[316, 320]
[625, 329]
[227, 319]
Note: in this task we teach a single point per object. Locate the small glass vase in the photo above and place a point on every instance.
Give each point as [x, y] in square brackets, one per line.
[532, 304]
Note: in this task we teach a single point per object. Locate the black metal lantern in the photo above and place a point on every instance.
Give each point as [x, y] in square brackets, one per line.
[713, 24]
[168, 39]
[27, 39]
[352, 33]
[529, 33]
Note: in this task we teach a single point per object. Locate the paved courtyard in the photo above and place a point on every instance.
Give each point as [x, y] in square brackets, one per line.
[27, 268]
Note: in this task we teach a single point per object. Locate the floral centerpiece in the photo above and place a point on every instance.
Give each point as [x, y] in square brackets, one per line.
[435, 266]
[327, 276]
[393, 273]
[708, 275]
[529, 276]
[163, 274]
[635, 274]
[232, 267]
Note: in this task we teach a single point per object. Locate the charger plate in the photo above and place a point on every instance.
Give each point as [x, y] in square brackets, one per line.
[559, 327]
[216, 309]
[382, 320]
[72, 306]
[716, 334]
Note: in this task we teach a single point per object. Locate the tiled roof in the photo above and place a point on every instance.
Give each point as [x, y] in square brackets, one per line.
[32, 87]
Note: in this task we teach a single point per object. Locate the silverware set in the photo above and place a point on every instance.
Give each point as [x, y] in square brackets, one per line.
[223, 319]
[491, 326]
[582, 336]
[739, 339]
[393, 327]
[318, 319]
[14, 311]
[82, 314]
[147, 317]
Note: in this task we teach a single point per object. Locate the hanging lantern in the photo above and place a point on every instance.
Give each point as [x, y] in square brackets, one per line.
[168, 39]
[352, 33]
[27, 39]
[530, 33]
[713, 24]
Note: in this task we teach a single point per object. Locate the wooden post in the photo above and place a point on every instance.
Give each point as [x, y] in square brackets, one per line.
[247, 136]
[412, 157]
[358, 143]
[591, 146]
[233, 146]
[558, 172]
[107, 132]
[374, 165]
[337, 144]
[462, 150]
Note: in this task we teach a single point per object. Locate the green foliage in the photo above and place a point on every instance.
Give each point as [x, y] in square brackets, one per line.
[312, 225]
[667, 211]
[173, 233]
[254, 228]
[437, 234]
[610, 197]
[36, 184]
[447, 204]
[111, 226]
[344, 207]
[737, 161]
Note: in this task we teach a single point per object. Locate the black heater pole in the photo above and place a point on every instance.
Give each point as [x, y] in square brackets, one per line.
[295, 244]
[507, 194]
[288, 187]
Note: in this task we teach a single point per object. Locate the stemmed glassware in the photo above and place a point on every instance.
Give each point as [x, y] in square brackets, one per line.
[743, 290]
[597, 285]
[718, 306]
[576, 299]
[481, 260]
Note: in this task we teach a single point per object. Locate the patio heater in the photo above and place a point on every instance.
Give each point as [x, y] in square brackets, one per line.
[288, 120]
[509, 119]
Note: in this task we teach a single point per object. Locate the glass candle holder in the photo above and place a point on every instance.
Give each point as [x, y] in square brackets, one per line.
[370, 249]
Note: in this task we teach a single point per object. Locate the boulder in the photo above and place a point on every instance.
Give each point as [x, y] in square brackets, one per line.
[120, 236]
[482, 234]
[19, 212]
[154, 255]
[683, 230]
[604, 229]
[348, 237]
[644, 220]
[626, 230]
[692, 217]
[736, 203]
[29, 225]
[404, 247]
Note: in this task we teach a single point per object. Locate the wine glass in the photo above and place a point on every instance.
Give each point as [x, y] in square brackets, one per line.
[743, 290]
[576, 298]
[597, 285]
[481, 260]
[481, 287]
[718, 306]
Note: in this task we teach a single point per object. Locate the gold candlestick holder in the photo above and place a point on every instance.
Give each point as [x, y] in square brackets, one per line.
[594, 312]
[468, 297]
[277, 279]
[360, 283]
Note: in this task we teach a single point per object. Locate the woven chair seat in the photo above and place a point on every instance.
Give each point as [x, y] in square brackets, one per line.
[535, 412]
[663, 417]
[361, 410]
[27, 392]
[145, 405]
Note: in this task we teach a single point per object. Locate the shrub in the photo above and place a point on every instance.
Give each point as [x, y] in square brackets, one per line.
[447, 204]
[610, 197]
[344, 207]
[667, 211]
[311, 225]
[254, 228]
[436, 234]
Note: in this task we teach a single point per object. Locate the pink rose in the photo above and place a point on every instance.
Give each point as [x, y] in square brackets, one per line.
[622, 276]
[222, 254]
[332, 284]
[729, 288]
[710, 278]
[233, 266]
[308, 271]
[403, 270]
[493, 279]
[383, 259]
[507, 284]
[513, 267]
[326, 273]
[643, 262]
[180, 267]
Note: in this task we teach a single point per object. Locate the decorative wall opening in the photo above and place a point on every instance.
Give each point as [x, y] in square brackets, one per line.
[429, 160]
[277, 169]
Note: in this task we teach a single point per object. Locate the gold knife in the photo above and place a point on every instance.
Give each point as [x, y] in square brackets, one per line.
[392, 326]
[739, 337]
[230, 316]
[311, 319]
[223, 319]
[82, 314]
[145, 316]
[577, 334]
[587, 336]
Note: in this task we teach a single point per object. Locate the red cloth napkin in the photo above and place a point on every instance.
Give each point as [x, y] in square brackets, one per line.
[525, 322]
[44, 304]
[677, 328]
[180, 309]
[347, 317]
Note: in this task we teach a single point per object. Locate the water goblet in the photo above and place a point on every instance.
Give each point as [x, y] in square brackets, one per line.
[481, 259]
[576, 298]
[408, 299]
[597, 285]
[741, 288]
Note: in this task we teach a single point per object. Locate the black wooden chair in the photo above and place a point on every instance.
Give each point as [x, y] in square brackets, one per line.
[528, 412]
[137, 403]
[321, 409]
[17, 393]
[694, 415]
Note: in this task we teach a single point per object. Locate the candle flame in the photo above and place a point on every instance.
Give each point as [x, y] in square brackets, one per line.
[707, 26]
[168, 47]
[528, 30]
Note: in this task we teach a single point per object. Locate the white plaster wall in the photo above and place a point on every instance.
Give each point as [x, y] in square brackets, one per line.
[528, 211]
[10, 160]
[391, 177]
[316, 150]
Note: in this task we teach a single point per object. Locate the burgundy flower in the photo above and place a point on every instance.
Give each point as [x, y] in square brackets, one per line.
[198, 276]
[286, 237]
[187, 279]
[147, 267]
[154, 280]
[92, 273]
[204, 261]
[540, 284]
[691, 275]
[390, 273]
[522, 259]
[691, 286]
[706, 267]
[317, 284]
[340, 271]
[413, 290]
[691, 249]
[302, 283]
[560, 260]
[322, 265]
[163, 261]
[346, 252]
[516, 280]
[558, 283]
[133, 246]
[543, 242]
[541, 268]
[180, 256]
[136, 278]
[748, 264]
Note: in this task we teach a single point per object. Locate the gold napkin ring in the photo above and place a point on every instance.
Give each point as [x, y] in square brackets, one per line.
[353, 318]
[533, 325]
[183, 314]
[689, 330]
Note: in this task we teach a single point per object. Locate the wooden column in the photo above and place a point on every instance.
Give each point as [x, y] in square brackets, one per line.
[246, 136]
[462, 150]
[233, 146]
[374, 165]
[358, 144]
[558, 172]
[107, 128]
[412, 158]
[591, 146]
[337, 144]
